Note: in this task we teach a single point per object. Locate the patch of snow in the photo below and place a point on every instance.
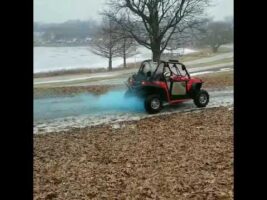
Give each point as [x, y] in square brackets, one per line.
[75, 79]
[205, 72]
[182, 51]
[226, 69]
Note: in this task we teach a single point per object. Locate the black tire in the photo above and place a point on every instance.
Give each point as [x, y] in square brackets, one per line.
[201, 98]
[153, 104]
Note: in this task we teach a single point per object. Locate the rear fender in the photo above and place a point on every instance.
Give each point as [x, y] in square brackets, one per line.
[149, 90]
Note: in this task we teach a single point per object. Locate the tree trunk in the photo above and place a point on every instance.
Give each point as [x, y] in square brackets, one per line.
[124, 61]
[215, 49]
[156, 50]
[155, 40]
[155, 55]
[124, 53]
[109, 63]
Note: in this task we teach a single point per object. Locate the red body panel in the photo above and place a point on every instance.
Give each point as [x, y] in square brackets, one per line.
[163, 85]
[189, 81]
[179, 78]
[192, 81]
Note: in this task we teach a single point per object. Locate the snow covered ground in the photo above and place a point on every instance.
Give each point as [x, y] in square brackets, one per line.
[87, 110]
[65, 58]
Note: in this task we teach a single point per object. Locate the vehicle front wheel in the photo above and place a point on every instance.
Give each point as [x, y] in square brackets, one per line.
[201, 98]
[153, 104]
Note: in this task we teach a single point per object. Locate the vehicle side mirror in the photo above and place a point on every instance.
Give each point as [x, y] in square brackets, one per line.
[183, 67]
[148, 74]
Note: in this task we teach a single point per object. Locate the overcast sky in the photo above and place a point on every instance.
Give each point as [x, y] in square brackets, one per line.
[49, 11]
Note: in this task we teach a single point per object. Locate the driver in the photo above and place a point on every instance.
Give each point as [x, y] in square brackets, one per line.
[166, 73]
[146, 69]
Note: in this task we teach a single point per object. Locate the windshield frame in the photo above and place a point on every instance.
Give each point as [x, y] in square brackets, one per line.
[165, 64]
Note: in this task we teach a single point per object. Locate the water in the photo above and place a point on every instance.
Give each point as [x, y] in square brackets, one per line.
[85, 104]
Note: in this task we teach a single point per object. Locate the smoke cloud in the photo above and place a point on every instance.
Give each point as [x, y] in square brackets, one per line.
[111, 102]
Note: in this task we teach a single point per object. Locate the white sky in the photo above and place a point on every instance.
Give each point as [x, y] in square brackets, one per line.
[57, 11]
[221, 9]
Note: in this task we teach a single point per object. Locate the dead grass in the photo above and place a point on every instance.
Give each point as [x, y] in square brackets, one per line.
[83, 71]
[221, 61]
[179, 156]
[204, 53]
[72, 90]
[218, 80]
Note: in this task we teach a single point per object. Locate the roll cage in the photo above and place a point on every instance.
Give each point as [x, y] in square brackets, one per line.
[162, 65]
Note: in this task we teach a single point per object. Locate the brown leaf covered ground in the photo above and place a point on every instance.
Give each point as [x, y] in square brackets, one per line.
[218, 80]
[177, 156]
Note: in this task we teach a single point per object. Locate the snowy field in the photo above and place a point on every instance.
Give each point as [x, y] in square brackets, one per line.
[65, 58]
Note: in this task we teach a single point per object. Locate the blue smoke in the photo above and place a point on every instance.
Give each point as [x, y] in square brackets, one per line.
[86, 103]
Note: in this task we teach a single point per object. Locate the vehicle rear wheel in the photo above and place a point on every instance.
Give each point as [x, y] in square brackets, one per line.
[201, 98]
[153, 104]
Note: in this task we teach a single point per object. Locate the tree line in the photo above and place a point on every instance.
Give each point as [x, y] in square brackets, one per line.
[67, 30]
[157, 25]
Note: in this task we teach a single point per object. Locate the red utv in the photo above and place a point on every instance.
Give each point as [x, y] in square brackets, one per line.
[165, 83]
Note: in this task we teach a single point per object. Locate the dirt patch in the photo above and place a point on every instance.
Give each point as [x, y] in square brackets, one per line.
[179, 156]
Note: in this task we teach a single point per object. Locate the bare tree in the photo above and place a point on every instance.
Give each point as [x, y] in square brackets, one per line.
[217, 34]
[179, 40]
[127, 45]
[106, 41]
[152, 22]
